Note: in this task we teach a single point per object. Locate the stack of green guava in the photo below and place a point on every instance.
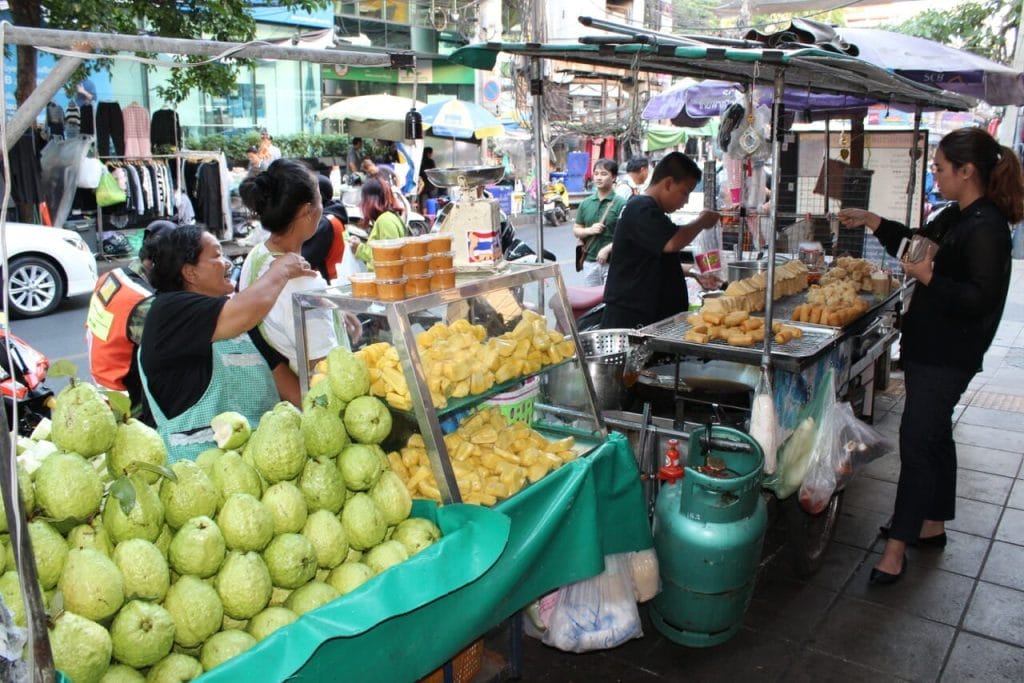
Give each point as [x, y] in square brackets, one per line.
[156, 573]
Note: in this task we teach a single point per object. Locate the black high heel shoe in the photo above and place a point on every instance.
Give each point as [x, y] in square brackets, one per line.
[936, 541]
[880, 578]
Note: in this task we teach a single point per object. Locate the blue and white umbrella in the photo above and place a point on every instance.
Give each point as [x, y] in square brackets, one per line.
[462, 120]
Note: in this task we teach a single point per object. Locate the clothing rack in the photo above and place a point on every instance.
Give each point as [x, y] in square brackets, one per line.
[179, 159]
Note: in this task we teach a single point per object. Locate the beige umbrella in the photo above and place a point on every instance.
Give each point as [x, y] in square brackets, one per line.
[371, 116]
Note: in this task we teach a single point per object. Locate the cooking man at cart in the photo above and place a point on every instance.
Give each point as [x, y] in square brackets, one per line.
[201, 352]
[645, 279]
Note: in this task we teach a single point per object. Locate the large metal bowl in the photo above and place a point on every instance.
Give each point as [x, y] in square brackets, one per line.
[743, 269]
[465, 176]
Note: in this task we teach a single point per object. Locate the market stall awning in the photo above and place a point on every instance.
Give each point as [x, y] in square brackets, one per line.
[809, 68]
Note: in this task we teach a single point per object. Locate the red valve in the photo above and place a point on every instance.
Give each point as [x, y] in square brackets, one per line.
[671, 471]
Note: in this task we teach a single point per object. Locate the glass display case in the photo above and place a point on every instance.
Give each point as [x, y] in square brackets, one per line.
[503, 340]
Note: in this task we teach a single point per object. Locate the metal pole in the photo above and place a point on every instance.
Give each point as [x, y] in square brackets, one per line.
[37, 100]
[773, 213]
[537, 90]
[914, 152]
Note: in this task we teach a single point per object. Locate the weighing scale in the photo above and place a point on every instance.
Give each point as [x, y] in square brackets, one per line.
[474, 222]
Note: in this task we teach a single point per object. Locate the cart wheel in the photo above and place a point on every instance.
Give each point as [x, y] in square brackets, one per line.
[810, 535]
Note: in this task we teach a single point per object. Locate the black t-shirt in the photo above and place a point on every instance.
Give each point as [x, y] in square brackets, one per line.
[316, 248]
[644, 284]
[176, 348]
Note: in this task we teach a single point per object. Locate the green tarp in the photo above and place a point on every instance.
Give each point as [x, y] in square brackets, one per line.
[661, 137]
[406, 622]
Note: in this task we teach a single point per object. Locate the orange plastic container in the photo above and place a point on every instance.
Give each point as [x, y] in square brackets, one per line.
[415, 246]
[364, 285]
[417, 285]
[387, 250]
[416, 265]
[442, 279]
[439, 242]
[388, 270]
[391, 290]
[442, 260]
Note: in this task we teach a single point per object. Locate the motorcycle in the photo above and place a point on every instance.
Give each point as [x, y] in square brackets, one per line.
[587, 305]
[22, 377]
[556, 203]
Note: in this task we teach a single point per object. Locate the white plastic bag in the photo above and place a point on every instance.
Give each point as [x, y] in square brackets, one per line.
[349, 264]
[89, 172]
[764, 426]
[597, 613]
[644, 570]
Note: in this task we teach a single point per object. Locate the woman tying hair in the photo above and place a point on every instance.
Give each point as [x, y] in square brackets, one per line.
[379, 218]
[956, 307]
[286, 197]
[200, 354]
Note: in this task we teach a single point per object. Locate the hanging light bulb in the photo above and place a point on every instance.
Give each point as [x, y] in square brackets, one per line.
[413, 119]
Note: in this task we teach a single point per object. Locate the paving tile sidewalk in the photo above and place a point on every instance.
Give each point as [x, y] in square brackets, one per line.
[957, 615]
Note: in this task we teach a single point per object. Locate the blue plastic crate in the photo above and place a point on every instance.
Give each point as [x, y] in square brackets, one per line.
[576, 163]
[503, 193]
[575, 183]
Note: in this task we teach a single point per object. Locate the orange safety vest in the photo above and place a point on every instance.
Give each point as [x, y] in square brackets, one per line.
[110, 350]
[337, 250]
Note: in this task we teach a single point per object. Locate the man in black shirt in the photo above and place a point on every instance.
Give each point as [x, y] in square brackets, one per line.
[645, 279]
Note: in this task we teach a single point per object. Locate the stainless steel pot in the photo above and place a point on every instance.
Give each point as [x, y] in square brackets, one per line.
[743, 269]
[604, 358]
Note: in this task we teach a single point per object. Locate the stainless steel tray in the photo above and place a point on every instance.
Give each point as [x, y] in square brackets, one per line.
[667, 335]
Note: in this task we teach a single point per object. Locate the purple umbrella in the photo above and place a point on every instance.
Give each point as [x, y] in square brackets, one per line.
[937, 65]
[690, 104]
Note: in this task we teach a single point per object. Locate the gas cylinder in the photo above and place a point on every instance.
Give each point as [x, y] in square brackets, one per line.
[708, 530]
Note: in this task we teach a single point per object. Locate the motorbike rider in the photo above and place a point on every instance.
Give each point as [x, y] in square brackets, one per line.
[113, 327]
[326, 247]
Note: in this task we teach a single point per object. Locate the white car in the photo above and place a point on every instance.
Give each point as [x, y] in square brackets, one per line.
[46, 266]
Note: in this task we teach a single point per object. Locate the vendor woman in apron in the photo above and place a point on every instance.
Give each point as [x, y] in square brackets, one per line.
[201, 354]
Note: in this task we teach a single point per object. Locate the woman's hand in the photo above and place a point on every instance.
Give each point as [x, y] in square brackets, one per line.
[921, 270]
[291, 266]
[353, 243]
[852, 218]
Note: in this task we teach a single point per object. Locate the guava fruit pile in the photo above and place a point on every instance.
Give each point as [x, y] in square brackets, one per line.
[159, 574]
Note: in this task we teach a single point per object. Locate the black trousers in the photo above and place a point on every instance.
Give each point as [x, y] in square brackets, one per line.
[927, 485]
[109, 129]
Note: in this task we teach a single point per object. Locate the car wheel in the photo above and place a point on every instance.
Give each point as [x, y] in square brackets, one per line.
[36, 287]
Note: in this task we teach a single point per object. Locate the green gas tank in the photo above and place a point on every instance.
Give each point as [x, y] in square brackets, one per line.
[708, 530]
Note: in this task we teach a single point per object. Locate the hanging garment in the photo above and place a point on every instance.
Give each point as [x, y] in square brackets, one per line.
[54, 121]
[109, 129]
[165, 129]
[25, 169]
[72, 120]
[210, 197]
[88, 119]
[136, 131]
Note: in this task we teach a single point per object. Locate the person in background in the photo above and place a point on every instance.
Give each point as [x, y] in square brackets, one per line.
[286, 197]
[325, 248]
[645, 279]
[268, 152]
[953, 316]
[638, 173]
[380, 219]
[201, 353]
[371, 169]
[354, 159]
[113, 327]
[253, 155]
[85, 93]
[595, 222]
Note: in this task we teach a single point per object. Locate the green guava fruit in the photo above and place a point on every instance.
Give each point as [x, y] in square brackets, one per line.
[27, 493]
[50, 552]
[278, 595]
[196, 610]
[269, 620]
[223, 646]
[385, 555]
[391, 496]
[334, 404]
[81, 648]
[206, 459]
[364, 524]
[142, 634]
[230, 430]
[245, 522]
[310, 596]
[175, 668]
[349, 576]
[368, 420]
[67, 487]
[163, 541]
[291, 560]
[144, 569]
[197, 548]
[360, 467]
[193, 494]
[285, 409]
[322, 485]
[416, 534]
[92, 584]
[231, 474]
[145, 519]
[82, 421]
[347, 374]
[243, 584]
[277, 447]
[325, 532]
[136, 441]
[91, 536]
[122, 673]
[323, 431]
[287, 507]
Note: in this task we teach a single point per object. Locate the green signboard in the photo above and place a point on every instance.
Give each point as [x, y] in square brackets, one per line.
[435, 72]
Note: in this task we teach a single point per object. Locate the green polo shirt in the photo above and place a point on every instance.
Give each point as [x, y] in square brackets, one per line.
[590, 211]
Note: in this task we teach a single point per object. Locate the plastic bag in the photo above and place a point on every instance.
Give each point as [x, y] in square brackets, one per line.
[597, 613]
[707, 251]
[845, 445]
[349, 265]
[795, 454]
[644, 570]
[763, 423]
[89, 173]
[108, 192]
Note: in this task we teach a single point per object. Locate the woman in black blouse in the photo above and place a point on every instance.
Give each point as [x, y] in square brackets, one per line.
[954, 312]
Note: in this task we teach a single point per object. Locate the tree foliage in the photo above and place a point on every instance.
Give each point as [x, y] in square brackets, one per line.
[984, 28]
[225, 20]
